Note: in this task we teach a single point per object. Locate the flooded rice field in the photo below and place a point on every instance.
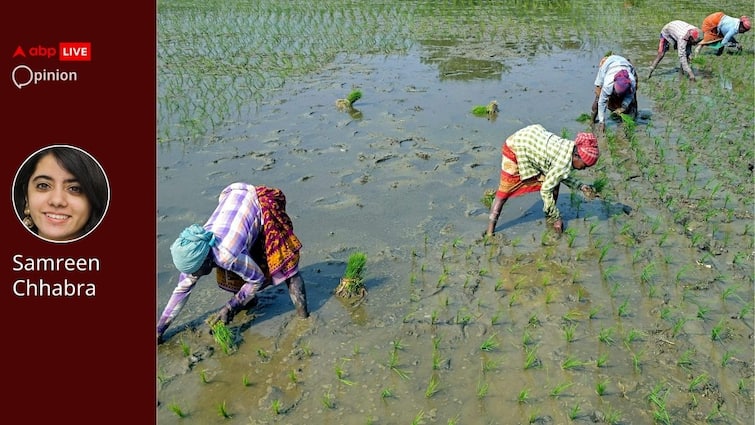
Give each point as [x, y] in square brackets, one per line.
[641, 312]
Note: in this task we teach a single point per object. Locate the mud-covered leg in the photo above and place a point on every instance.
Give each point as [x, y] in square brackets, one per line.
[495, 212]
[298, 294]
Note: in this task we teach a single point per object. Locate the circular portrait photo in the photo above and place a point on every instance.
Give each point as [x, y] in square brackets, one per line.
[61, 193]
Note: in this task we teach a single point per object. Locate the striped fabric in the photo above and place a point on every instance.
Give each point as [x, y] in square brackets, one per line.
[543, 155]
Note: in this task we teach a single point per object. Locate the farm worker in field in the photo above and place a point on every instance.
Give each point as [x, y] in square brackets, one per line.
[535, 159]
[721, 27]
[249, 234]
[615, 89]
[683, 36]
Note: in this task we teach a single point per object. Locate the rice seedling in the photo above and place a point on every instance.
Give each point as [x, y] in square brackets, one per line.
[574, 412]
[341, 374]
[600, 184]
[463, 318]
[623, 307]
[637, 256]
[637, 361]
[560, 388]
[657, 398]
[603, 252]
[245, 381]
[490, 343]
[702, 312]
[498, 285]
[292, 376]
[393, 365]
[437, 360]
[176, 409]
[719, 331]
[275, 406]
[729, 292]
[496, 318]
[550, 294]
[571, 236]
[519, 283]
[489, 365]
[614, 289]
[678, 325]
[386, 393]
[662, 239]
[185, 349]
[526, 338]
[328, 400]
[433, 386]
[482, 388]
[524, 396]
[513, 298]
[569, 331]
[632, 336]
[534, 321]
[601, 387]
[728, 355]
[613, 416]
[685, 359]
[263, 355]
[531, 360]
[745, 310]
[571, 363]
[715, 414]
[591, 228]
[665, 313]
[222, 411]
[602, 360]
[434, 317]
[581, 294]
[223, 337]
[397, 344]
[648, 272]
[203, 376]
[739, 258]
[418, 418]
[742, 387]
[605, 336]
[593, 313]
[572, 315]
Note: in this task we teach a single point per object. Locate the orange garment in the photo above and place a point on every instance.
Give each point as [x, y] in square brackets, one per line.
[511, 185]
[710, 28]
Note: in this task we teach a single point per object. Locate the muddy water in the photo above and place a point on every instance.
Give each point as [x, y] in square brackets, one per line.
[627, 300]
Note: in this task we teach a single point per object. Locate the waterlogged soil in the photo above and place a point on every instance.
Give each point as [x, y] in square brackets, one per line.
[641, 312]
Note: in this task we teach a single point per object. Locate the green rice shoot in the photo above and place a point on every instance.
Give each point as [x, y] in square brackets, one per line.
[354, 96]
[352, 283]
[223, 337]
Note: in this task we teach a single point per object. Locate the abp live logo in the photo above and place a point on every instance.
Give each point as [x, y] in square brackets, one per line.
[66, 51]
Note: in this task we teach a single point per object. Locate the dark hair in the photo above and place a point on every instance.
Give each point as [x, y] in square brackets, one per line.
[77, 162]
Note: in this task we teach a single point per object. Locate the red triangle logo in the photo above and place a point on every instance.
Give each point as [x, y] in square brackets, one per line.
[19, 52]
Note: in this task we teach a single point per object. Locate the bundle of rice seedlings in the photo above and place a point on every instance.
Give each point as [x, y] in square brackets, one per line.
[489, 109]
[352, 282]
[223, 337]
[348, 102]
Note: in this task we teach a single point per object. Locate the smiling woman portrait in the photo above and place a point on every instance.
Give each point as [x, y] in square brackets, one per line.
[61, 193]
